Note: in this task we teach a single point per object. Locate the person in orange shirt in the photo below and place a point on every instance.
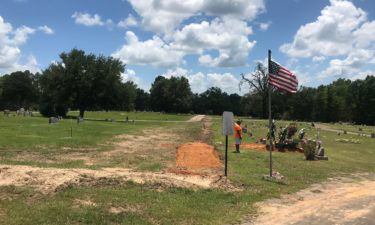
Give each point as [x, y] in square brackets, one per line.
[238, 135]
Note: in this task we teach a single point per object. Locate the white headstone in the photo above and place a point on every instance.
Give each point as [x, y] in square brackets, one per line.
[227, 123]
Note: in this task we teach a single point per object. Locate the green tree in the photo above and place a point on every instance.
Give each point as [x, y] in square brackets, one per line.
[171, 95]
[82, 82]
[142, 101]
[128, 95]
[19, 90]
[216, 101]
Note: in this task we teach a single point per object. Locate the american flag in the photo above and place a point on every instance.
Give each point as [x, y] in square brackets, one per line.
[282, 78]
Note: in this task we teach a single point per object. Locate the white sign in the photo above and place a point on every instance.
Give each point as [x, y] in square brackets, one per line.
[227, 123]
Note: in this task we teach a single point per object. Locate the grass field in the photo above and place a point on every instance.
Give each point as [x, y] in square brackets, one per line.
[116, 115]
[362, 129]
[110, 202]
[32, 141]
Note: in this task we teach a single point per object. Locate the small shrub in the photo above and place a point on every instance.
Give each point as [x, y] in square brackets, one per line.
[309, 147]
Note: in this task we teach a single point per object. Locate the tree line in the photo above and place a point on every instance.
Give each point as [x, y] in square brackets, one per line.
[81, 81]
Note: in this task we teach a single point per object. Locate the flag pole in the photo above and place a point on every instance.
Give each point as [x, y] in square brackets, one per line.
[269, 113]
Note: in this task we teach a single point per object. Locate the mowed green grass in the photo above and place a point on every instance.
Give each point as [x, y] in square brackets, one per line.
[344, 158]
[362, 129]
[121, 116]
[35, 136]
[156, 204]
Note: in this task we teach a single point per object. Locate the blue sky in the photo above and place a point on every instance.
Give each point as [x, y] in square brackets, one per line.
[211, 42]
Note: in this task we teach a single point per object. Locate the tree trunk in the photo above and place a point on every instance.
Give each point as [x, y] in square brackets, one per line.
[264, 107]
[81, 113]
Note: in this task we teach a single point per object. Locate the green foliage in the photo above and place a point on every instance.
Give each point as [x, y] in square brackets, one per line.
[142, 100]
[309, 147]
[19, 90]
[171, 94]
[82, 82]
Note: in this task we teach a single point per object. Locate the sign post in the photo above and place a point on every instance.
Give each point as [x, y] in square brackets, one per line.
[227, 130]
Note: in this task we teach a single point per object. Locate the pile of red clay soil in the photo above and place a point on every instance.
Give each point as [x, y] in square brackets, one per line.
[197, 157]
[259, 147]
[263, 148]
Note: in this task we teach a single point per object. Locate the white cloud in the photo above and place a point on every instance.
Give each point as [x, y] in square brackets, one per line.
[227, 36]
[164, 16]
[130, 21]
[264, 26]
[130, 75]
[46, 29]
[89, 20]
[151, 52]
[364, 36]
[362, 75]
[221, 41]
[21, 34]
[226, 82]
[200, 82]
[10, 48]
[350, 66]
[318, 58]
[341, 31]
[330, 35]
[31, 65]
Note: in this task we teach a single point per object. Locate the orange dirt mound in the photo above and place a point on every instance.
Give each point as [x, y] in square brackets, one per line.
[262, 148]
[197, 156]
[254, 146]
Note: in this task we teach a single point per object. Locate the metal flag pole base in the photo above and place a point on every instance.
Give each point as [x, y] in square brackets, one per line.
[278, 178]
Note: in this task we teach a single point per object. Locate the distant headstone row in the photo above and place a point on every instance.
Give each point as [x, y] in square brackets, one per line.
[20, 112]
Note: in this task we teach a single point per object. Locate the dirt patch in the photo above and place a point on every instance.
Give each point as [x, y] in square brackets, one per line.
[118, 210]
[157, 145]
[197, 158]
[259, 147]
[84, 202]
[49, 180]
[197, 118]
[264, 148]
[339, 201]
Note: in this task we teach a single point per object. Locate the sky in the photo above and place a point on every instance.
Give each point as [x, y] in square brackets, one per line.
[210, 42]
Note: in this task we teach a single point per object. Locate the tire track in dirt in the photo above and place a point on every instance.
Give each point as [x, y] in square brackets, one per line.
[339, 201]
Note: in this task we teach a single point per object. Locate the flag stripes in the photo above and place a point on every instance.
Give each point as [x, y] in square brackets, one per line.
[282, 78]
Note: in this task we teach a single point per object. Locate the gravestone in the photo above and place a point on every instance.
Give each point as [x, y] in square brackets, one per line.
[80, 120]
[53, 120]
[6, 112]
[21, 111]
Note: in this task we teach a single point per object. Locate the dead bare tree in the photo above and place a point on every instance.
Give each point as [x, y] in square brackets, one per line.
[258, 84]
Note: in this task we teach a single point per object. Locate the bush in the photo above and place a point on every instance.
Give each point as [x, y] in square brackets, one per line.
[309, 147]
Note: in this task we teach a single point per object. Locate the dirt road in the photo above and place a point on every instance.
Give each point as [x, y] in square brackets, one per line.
[339, 201]
[197, 118]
